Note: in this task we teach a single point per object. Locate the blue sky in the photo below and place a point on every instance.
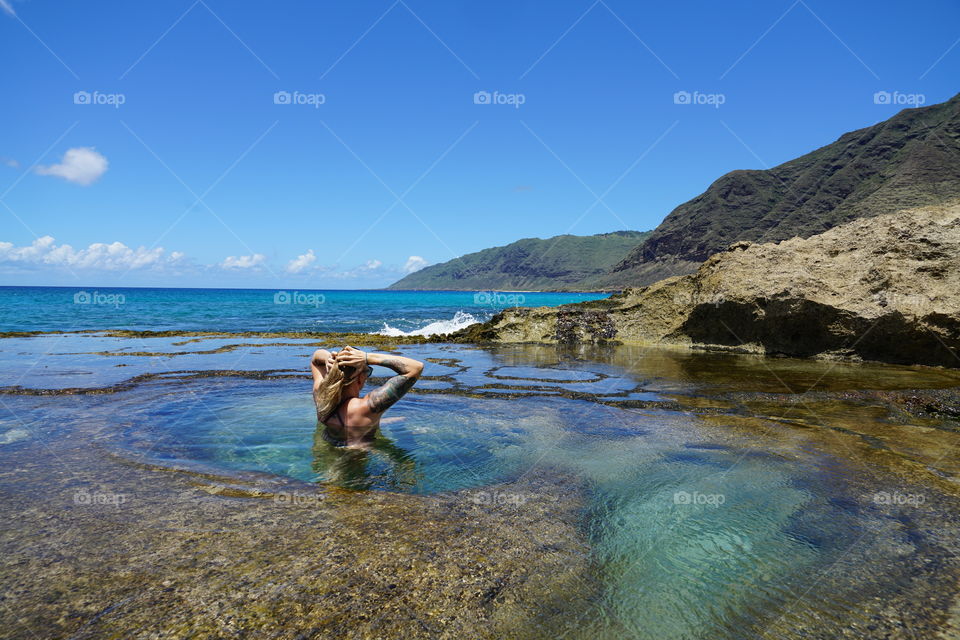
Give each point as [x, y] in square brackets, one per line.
[336, 145]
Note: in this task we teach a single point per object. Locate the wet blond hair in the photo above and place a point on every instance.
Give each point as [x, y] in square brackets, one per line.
[328, 393]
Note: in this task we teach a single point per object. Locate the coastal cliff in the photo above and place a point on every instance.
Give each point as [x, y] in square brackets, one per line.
[909, 160]
[884, 288]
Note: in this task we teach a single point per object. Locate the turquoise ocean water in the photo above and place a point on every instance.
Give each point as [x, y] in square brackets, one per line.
[156, 309]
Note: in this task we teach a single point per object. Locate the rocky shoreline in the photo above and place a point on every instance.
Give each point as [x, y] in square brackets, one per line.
[885, 289]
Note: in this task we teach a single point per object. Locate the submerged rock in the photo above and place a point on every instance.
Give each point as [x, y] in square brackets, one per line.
[885, 288]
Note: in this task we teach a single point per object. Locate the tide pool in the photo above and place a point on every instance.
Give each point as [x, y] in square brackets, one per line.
[706, 506]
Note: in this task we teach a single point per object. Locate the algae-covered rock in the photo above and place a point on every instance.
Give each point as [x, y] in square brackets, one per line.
[884, 288]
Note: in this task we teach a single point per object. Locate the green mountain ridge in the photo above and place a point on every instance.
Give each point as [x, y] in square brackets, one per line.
[562, 262]
[909, 160]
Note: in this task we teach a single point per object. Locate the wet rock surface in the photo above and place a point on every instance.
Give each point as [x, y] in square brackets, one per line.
[116, 551]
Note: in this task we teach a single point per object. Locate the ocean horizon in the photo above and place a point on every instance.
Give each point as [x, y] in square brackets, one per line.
[374, 311]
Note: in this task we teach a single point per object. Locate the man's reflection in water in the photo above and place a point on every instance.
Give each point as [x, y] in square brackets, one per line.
[379, 464]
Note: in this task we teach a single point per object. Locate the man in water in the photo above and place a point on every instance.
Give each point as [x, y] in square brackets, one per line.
[348, 419]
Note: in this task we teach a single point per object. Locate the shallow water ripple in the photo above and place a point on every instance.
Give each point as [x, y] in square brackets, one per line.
[711, 505]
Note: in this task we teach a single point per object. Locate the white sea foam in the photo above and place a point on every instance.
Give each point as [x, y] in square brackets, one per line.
[14, 435]
[460, 320]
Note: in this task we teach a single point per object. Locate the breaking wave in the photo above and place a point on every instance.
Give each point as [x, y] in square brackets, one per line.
[460, 320]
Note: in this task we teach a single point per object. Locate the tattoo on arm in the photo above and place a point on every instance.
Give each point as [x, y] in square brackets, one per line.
[397, 365]
[384, 397]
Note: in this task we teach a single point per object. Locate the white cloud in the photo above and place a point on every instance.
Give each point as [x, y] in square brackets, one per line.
[114, 256]
[7, 7]
[46, 254]
[243, 262]
[10, 162]
[301, 262]
[414, 263]
[80, 165]
[307, 263]
[371, 268]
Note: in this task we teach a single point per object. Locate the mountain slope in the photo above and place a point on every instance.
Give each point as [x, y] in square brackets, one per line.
[562, 262]
[910, 160]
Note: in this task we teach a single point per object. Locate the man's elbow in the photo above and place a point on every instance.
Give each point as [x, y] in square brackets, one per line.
[416, 370]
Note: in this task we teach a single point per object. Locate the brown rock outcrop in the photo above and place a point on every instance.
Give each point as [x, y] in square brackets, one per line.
[883, 288]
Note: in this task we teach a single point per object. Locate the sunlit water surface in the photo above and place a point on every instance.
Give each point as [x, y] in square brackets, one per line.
[700, 525]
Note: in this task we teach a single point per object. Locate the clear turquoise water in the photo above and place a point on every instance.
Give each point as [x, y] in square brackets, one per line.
[78, 308]
[719, 523]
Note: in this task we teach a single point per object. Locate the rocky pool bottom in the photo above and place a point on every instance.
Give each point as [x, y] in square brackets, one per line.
[165, 488]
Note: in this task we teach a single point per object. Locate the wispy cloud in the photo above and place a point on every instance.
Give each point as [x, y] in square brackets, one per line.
[301, 262]
[80, 165]
[7, 8]
[306, 265]
[370, 269]
[244, 262]
[414, 263]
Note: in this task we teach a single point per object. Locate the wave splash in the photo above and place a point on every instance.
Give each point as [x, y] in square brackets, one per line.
[460, 320]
